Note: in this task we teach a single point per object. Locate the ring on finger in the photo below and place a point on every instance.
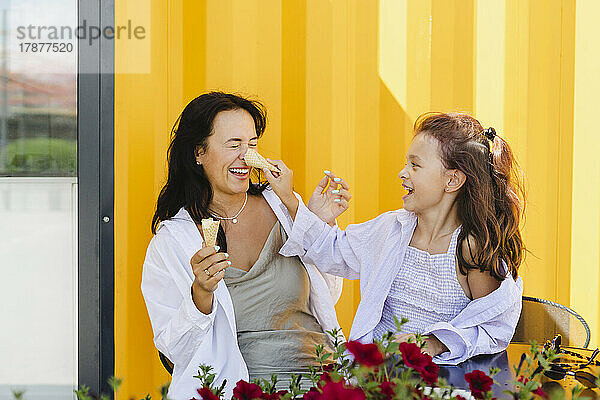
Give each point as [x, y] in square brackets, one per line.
[207, 273]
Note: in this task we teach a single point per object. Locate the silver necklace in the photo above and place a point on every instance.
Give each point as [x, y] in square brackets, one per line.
[234, 218]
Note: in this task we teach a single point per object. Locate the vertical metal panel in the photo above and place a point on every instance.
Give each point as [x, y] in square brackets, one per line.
[107, 184]
[95, 99]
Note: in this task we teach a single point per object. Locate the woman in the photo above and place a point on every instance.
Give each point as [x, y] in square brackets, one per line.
[239, 307]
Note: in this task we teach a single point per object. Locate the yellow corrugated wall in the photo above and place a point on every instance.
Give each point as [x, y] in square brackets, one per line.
[343, 82]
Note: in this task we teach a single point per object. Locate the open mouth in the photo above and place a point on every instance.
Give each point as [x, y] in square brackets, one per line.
[409, 190]
[240, 173]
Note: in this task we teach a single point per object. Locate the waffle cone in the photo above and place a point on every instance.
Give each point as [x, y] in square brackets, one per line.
[253, 159]
[210, 228]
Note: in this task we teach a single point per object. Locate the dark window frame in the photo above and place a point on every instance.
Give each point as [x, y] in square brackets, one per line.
[95, 155]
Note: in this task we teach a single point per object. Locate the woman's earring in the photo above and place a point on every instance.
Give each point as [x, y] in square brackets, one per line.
[197, 162]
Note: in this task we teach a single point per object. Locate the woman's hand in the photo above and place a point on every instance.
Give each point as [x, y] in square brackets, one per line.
[433, 346]
[282, 184]
[208, 267]
[330, 198]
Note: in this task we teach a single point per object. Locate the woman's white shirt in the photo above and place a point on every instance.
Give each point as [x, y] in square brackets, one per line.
[189, 337]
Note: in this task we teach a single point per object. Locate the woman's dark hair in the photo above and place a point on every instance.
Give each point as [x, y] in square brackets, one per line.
[491, 201]
[187, 185]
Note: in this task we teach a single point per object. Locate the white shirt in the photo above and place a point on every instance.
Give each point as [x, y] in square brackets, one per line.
[374, 252]
[189, 337]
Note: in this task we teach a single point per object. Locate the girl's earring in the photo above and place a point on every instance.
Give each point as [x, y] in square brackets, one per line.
[197, 162]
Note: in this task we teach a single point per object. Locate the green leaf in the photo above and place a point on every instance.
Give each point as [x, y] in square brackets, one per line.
[83, 393]
[400, 323]
[164, 389]
[220, 391]
[114, 383]
[294, 387]
[393, 347]
[18, 394]
[494, 371]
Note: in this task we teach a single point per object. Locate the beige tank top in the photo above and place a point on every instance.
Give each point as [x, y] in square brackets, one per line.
[276, 331]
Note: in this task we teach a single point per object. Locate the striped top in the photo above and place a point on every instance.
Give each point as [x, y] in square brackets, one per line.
[425, 291]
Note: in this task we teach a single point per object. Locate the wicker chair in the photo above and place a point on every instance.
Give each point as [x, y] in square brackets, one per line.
[543, 319]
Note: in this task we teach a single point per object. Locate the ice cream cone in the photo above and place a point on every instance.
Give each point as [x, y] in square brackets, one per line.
[210, 228]
[253, 159]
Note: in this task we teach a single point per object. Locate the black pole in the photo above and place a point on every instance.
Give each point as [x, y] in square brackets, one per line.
[95, 127]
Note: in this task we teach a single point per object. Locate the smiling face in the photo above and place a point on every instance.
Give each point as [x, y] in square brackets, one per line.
[424, 175]
[223, 158]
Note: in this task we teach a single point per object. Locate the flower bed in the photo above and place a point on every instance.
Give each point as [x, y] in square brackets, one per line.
[384, 370]
[387, 370]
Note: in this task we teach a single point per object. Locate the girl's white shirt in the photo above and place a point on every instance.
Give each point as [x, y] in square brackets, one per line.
[373, 252]
[189, 337]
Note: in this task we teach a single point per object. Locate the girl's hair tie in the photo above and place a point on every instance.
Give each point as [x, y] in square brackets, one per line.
[489, 133]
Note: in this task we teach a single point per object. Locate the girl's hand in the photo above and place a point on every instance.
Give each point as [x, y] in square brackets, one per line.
[330, 198]
[282, 184]
[433, 346]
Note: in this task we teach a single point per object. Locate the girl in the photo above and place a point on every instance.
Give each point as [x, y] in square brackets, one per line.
[447, 261]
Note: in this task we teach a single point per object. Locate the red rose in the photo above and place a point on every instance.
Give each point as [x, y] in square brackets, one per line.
[479, 383]
[368, 355]
[207, 394]
[540, 392]
[273, 396]
[413, 357]
[325, 379]
[312, 394]
[430, 372]
[247, 391]
[337, 391]
[387, 389]
[329, 367]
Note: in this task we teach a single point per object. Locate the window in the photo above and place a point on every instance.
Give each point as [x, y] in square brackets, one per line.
[41, 186]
